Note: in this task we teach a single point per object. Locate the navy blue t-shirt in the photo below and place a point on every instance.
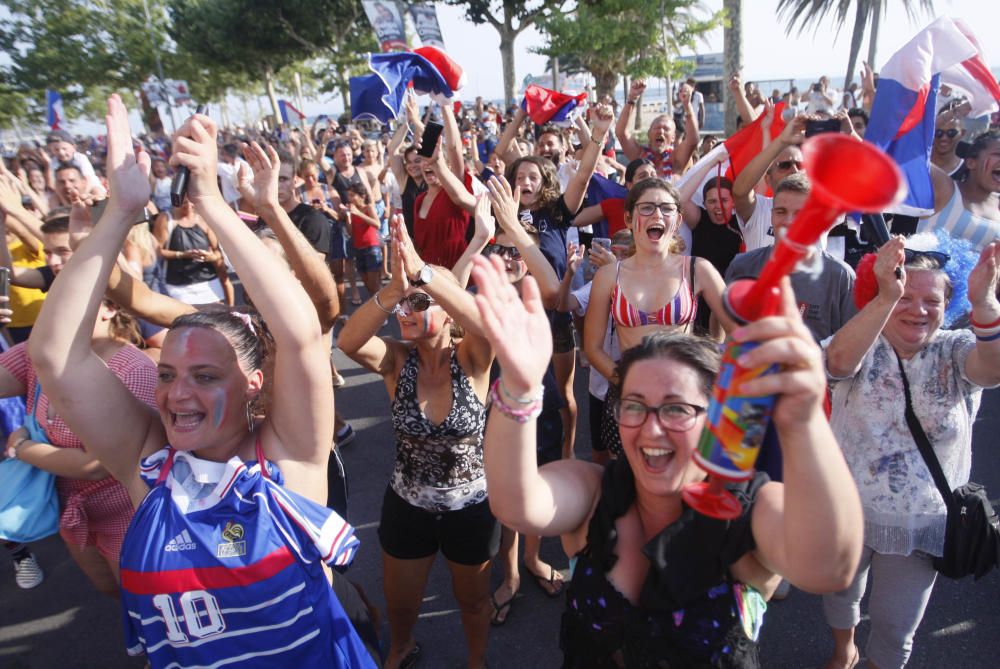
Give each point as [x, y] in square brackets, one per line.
[552, 223]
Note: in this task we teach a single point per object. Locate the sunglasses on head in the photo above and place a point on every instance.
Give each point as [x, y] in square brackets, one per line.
[787, 164]
[951, 132]
[416, 302]
[936, 256]
[506, 252]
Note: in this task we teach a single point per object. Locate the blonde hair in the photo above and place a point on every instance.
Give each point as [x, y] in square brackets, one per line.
[142, 238]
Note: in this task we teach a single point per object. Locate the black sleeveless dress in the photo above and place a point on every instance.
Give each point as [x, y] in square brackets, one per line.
[690, 613]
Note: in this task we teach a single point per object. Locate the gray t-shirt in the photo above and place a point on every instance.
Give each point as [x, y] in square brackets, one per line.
[825, 293]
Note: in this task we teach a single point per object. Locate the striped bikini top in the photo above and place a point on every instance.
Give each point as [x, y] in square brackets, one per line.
[678, 311]
[962, 223]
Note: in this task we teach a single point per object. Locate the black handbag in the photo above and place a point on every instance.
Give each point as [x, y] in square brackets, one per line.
[971, 540]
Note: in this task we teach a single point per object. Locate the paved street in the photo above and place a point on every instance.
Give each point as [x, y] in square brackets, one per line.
[65, 624]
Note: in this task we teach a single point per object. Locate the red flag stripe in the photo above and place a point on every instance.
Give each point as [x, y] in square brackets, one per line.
[205, 578]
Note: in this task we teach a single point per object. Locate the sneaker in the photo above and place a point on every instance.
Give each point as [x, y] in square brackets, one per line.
[345, 436]
[27, 572]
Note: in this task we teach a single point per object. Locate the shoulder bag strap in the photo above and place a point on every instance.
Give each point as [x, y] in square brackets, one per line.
[923, 443]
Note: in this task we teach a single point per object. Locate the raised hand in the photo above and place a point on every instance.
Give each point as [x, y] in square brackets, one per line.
[195, 148]
[684, 94]
[518, 330]
[505, 203]
[244, 184]
[410, 260]
[574, 256]
[736, 84]
[602, 117]
[636, 88]
[600, 256]
[265, 165]
[10, 196]
[486, 225]
[983, 278]
[128, 172]
[889, 270]
[794, 131]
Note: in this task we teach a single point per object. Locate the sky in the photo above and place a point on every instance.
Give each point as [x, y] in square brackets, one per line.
[768, 54]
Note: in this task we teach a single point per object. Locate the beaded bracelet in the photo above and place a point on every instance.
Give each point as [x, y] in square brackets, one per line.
[519, 415]
[531, 399]
[378, 303]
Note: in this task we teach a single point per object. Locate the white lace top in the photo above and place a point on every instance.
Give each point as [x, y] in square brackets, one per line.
[904, 511]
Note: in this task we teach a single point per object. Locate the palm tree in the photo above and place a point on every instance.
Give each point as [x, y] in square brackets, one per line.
[732, 59]
[806, 12]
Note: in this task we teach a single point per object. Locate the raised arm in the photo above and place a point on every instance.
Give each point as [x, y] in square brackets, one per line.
[602, 118]
[504, 147]
[565, 301]
[559, 498]
[623, 130]
[308, 265]
[743, 107]
[689, 184]
[452, 142]
[395, 151]
[595, 323]
[100, 410]
[852, 342]
[299, 429]
[137, 298]
[24, 224]
[811, 528]
[744, 197]
[682, 154]
[485, 230]
[982, 366]
[453, 186]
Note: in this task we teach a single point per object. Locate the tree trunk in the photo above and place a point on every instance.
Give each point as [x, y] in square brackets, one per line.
[269, 86]
[555, 73]
[605, 82]
[860, 19]
[507, 59]
[873, 35]
[732, 47]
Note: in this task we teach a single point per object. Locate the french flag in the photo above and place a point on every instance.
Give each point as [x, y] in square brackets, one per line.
[54, 114]
[380, 95]
[285, 108]
[903, 114]
[548, 106]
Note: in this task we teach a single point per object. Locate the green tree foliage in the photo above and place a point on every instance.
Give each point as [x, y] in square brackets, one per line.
[638, 38]
[509, 18]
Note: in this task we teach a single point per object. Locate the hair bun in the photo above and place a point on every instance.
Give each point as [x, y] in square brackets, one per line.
[963, 149]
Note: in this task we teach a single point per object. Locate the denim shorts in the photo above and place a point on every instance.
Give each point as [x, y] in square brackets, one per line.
[368, 260]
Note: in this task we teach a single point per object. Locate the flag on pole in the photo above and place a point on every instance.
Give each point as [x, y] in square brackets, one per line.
[903, 114]
[547, 106]
[285, 108]
[54, 114]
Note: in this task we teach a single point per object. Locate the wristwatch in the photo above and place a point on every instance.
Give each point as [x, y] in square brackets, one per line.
[424, 276]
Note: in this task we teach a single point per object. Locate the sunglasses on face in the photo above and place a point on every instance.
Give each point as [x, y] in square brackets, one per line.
[505, 252]
[951, 132]
[788, 164]
[650, 208]
[936, 256]
[415, 303]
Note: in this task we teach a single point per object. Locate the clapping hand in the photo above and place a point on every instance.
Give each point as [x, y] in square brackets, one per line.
[128, 171]
[265, 165]
[505, 203]
[983, 279]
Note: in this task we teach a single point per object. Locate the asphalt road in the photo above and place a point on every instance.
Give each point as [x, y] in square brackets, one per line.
[65, 624]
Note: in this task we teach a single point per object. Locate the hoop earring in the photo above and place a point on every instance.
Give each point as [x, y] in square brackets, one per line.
[249, 416]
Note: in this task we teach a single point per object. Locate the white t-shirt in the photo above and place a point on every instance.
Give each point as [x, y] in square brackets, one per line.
[229, 179]
[757, 232]
[697, 101]
[598, 385]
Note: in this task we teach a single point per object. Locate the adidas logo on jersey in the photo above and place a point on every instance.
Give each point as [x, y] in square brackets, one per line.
[182, 542]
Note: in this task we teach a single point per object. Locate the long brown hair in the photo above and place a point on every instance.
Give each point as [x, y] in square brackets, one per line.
[550, 180]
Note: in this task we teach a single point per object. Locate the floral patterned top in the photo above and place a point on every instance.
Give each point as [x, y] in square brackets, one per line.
[904, 511]
[438, 467]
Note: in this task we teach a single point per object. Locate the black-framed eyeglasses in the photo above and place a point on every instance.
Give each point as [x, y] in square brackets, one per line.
[673, 416]
[941, 259]
[788, 164]
[505, 252]
[650, 208]
[415, 302]
[951, 132]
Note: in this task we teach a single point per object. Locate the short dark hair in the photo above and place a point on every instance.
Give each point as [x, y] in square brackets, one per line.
[56, 221]
[633, 167]
[231, 150]
[550, 130]
[794, 183]
[62, 167]
[858, 112]
[716, 182]
[699, 353]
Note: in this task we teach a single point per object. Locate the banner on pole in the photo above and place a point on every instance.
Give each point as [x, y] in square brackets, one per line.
[388, 24]
[425, 20]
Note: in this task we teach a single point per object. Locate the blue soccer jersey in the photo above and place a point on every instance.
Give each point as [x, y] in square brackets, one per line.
[221, 566]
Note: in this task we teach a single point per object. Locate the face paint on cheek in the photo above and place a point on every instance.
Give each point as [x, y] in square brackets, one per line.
[219, 407]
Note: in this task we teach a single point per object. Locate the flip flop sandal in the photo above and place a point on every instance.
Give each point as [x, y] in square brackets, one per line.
[499, 609]
[541, 581]
[411, 658]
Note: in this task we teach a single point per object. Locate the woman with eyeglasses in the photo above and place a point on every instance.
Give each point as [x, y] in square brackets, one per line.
[653, 291]
[969, 209]
[653, 583]
[896, 341]
[436, 498]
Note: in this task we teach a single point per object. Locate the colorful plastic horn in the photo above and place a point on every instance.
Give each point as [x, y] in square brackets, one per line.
[846, 175]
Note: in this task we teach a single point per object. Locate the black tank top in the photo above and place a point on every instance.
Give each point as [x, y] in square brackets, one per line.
[341, 184]
[689, 611]
[183, 272]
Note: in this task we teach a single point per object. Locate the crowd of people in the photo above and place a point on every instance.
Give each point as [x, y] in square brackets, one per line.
[175, 361]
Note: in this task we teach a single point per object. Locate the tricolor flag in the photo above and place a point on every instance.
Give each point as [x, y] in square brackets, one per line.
[380, 95]
[903, 114]
[733, 154]
[610, 196]
[54, 114]
[285, 108]
[548, 106]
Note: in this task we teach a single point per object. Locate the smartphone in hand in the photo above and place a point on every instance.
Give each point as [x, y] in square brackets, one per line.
[429, 140]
